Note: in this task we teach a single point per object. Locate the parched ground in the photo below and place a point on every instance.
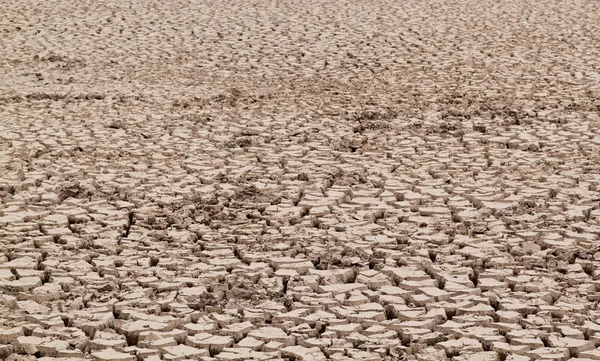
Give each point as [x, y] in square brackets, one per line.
[299, 180]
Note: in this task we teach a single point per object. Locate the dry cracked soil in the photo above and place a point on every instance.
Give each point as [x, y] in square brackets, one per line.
[299, 180]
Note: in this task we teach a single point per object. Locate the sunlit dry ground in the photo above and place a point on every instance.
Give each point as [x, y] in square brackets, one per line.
[299, 180]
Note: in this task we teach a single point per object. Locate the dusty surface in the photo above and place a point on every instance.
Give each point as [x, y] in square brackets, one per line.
[303, 180]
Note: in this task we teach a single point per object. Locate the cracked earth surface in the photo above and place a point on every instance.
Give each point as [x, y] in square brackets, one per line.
[299, 180]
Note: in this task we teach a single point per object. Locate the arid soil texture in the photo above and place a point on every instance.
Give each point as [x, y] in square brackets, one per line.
[299, 180]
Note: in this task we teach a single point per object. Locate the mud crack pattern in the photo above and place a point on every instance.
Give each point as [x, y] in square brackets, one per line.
[299, 180]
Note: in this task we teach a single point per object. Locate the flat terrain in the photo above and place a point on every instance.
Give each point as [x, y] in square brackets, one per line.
[299, 180]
